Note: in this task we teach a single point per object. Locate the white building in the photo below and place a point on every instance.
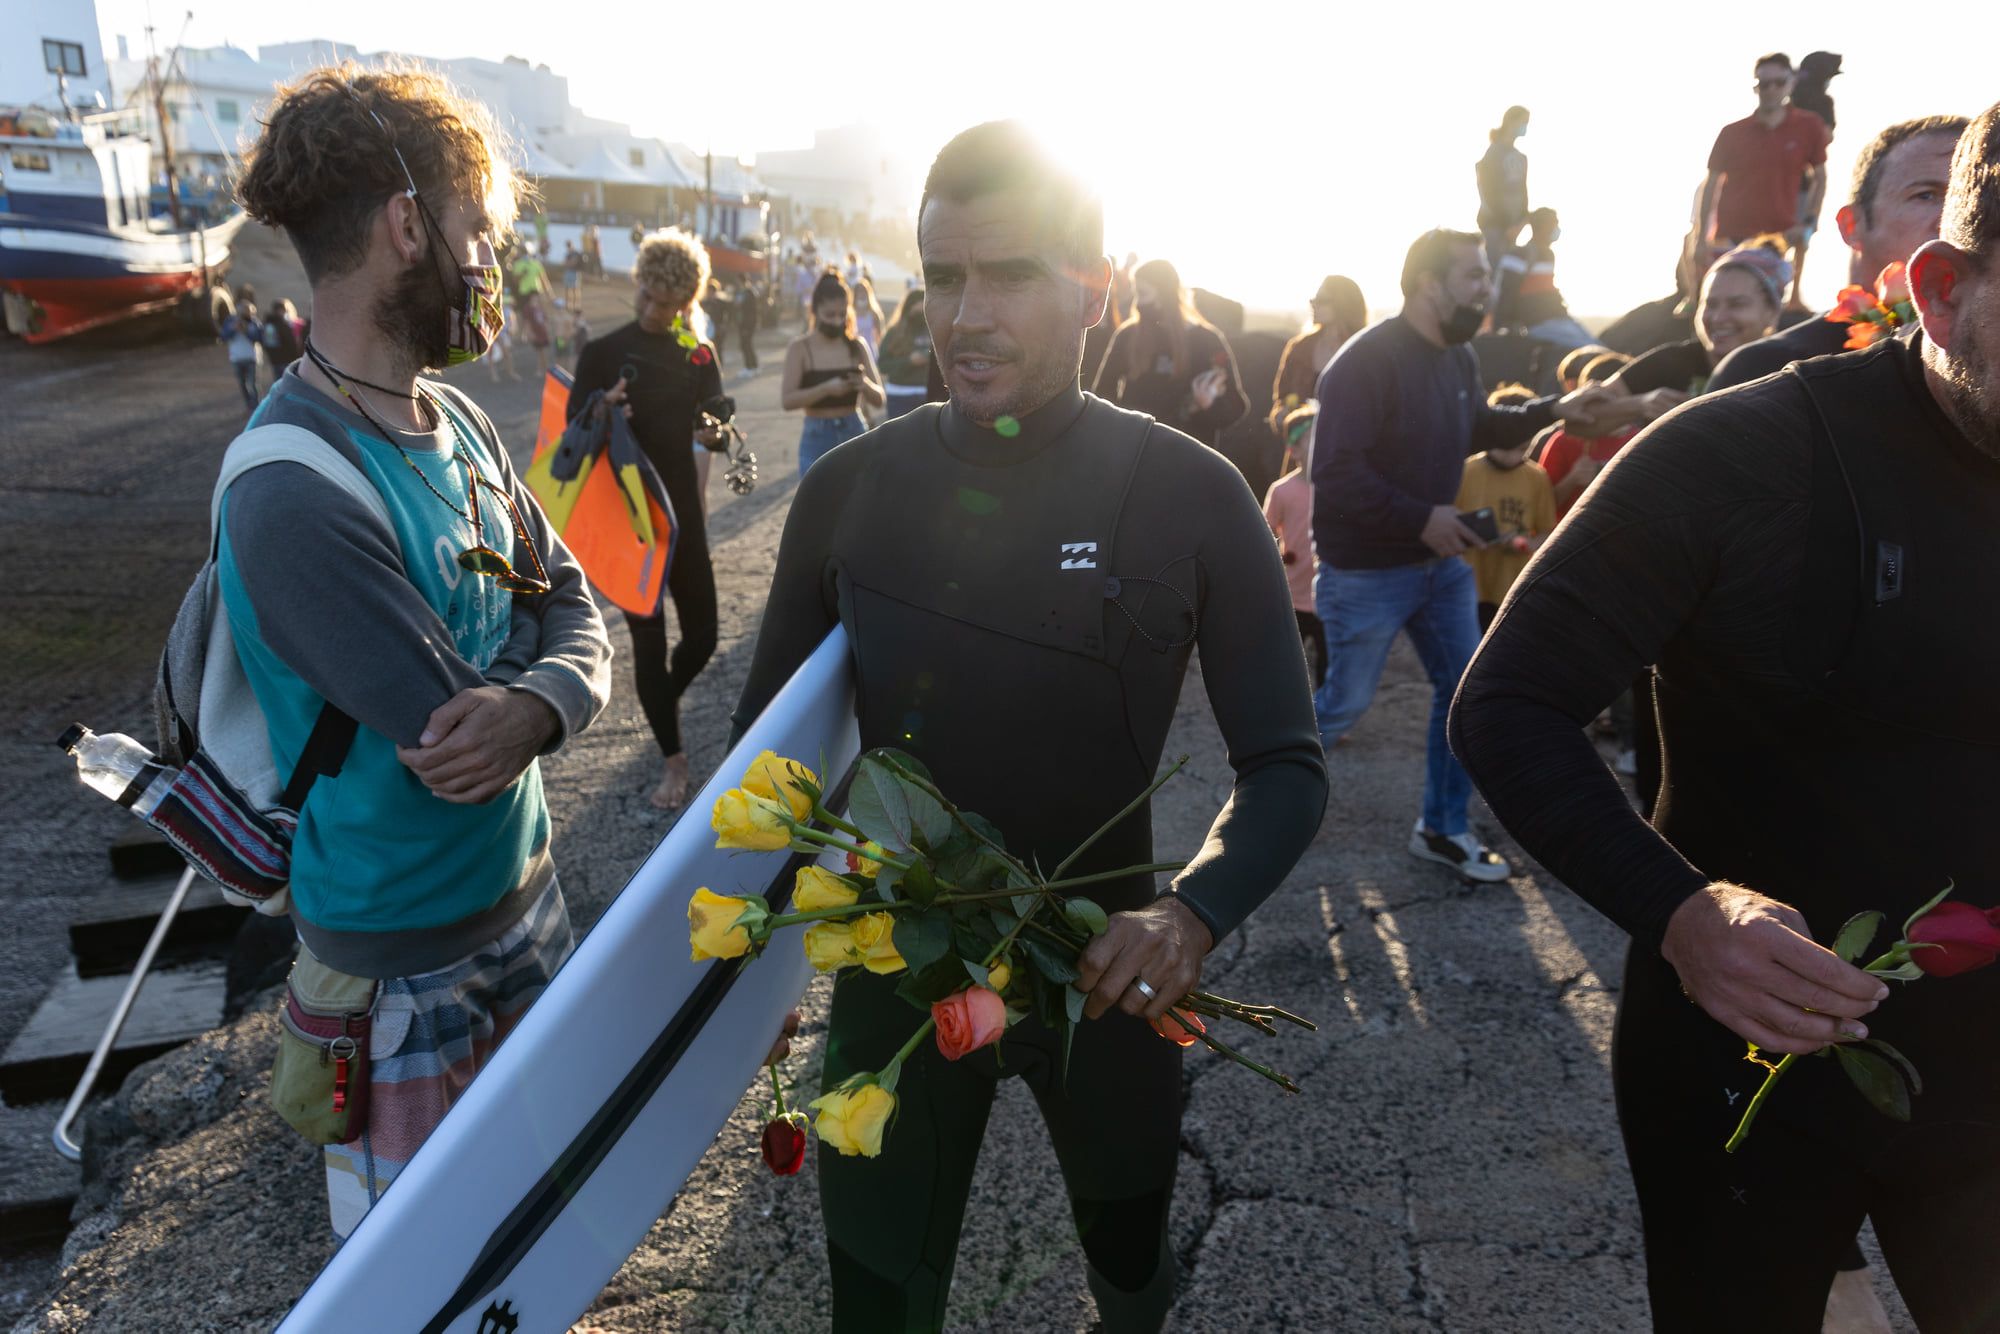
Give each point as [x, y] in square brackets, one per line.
[850, 171]
[215, 99]
[51, 46]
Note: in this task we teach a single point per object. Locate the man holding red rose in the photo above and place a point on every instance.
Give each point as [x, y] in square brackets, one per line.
[1808, 561]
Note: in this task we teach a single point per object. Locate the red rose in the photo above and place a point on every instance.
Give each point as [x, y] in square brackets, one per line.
[1957, 938]
[701, 356]
[785, 1144]
[974, 1018]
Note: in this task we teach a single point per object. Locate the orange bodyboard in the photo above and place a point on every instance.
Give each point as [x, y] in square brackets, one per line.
[598, 528]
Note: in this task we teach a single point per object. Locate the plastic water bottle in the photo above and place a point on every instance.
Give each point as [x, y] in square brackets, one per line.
[119, 767]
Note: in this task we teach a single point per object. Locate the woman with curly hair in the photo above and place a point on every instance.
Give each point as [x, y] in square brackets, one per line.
[829, 372]
[662, 372]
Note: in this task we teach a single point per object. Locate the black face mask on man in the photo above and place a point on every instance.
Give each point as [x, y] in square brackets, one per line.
[832, 328]
[1461, 324]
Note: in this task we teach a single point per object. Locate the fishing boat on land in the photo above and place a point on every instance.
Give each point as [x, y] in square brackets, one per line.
[80, 243]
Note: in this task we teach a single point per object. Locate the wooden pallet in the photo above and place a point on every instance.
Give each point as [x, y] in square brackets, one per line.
[109, 929]
[47, 1057]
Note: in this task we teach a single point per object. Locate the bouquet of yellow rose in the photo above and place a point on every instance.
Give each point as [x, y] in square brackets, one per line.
[982, 940]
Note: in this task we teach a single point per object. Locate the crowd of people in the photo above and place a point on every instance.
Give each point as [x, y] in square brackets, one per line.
[1721, 578]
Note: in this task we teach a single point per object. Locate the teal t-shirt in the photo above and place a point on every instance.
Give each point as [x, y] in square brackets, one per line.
[375, 850]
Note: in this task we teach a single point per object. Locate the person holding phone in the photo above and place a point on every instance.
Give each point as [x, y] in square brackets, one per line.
[1401, 406]
[829, 372]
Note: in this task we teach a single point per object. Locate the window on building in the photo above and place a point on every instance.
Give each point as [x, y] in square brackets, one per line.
[227, 112]
[28, 161]
[63, 58]
[638, 156]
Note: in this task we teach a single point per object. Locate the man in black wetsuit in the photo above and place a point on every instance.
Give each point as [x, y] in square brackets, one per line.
[1025, 572]
[1809, 561]
[1899, 182]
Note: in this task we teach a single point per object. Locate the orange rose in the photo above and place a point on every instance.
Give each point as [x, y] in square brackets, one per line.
[1893, 284]
[1180, 1027]
[974, 1018]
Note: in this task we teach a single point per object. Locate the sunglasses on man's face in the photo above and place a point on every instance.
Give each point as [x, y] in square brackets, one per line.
[483, 559]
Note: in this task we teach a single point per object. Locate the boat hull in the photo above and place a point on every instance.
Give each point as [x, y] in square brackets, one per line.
[66, 277]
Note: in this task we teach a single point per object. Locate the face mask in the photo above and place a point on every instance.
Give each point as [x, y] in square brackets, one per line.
[1148, 312]
[1494, 461]
[832, 328]
[473, 322]
[1461, 324]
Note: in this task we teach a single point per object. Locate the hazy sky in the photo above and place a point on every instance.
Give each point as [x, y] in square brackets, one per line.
[1256, 144]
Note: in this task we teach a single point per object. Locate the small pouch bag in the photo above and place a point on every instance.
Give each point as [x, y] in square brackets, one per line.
[319, 1080]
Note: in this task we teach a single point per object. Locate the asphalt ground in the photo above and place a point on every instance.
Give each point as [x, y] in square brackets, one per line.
[1453, 1163]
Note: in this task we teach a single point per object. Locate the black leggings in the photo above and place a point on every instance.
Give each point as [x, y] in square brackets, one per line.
[892, 1222]
[662, 680]
[1752, 1240]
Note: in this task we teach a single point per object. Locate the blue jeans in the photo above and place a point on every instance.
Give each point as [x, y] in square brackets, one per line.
[823, 433]
[1362, 610]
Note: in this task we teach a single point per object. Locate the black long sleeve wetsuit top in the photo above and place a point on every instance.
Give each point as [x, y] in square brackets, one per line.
[1022, 611]
[1808, 559]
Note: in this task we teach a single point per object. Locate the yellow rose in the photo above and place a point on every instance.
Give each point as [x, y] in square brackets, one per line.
[717, 926]
[817, 888]
[748, 821]
[999, 975]
[863, 866]
[770, 776]
[874, 942]
[852, 1122]
[830, 945]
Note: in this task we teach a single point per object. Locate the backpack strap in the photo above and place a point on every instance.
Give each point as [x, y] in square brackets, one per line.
[281, 443]
[325, 751]
[334, 731]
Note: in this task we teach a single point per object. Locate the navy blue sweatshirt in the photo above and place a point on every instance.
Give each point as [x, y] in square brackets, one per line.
[1398, 417]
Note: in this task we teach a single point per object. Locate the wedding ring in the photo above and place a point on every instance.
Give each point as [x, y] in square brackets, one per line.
[1144, 990]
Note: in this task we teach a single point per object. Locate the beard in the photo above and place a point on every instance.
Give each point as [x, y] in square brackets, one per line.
[1971, 394]
[1041, 380]
[413, 317]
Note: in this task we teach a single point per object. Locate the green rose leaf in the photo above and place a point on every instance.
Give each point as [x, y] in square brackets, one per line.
[1085, 916]
[922, 938]
[876, 803]
[1879, 1081]
[886, 881]
[1902, 1062]
[932, 826]
[918, 882]
[925, 987]
[1073, 1004]
[1854, 936]
[1047, 962]
[980, 977]
[1907, 972]
[902, 759]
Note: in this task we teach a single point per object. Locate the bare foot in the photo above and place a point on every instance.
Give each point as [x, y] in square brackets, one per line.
[673, 788]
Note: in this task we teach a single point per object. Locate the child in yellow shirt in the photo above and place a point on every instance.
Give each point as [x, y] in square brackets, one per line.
[1524, 510]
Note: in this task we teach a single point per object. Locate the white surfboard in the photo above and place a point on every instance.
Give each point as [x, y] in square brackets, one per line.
[573, 1141]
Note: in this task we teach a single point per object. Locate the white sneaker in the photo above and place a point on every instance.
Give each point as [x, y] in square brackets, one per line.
[1463, 853]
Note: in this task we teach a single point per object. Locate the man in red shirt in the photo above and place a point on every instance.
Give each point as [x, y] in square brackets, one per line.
[1766, 172]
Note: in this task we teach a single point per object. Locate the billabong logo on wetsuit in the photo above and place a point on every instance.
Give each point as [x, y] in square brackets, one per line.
[1073, 555]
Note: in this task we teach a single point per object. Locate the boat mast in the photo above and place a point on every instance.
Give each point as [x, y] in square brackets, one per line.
[158, 90]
